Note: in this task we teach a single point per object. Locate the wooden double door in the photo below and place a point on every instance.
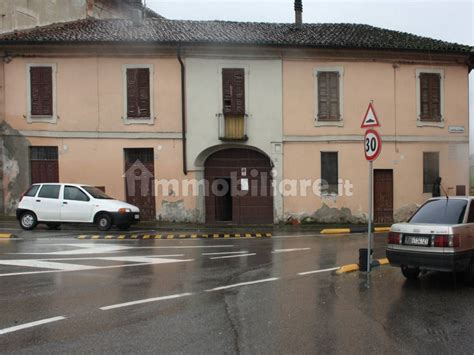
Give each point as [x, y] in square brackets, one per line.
[239, 187]
[383, 196]
[140, 180]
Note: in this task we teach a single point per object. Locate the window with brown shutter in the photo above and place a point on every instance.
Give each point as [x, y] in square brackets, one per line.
[328, 96]
[233, 91]
[430, 97]
[41, 86]
[138, 93]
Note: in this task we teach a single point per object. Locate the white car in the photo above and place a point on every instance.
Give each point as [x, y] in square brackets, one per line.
[54, 203]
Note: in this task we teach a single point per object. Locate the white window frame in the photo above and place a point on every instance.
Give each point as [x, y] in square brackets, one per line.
[323, 123]
[36, 118]
[147, 120]
[419, 122]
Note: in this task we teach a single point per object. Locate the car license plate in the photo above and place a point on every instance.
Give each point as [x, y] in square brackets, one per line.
[414, 240]
[137, 216]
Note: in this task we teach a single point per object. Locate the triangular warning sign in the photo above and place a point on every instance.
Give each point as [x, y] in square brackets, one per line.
[370, 118]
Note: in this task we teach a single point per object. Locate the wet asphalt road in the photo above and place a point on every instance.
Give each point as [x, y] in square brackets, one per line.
[260, 300]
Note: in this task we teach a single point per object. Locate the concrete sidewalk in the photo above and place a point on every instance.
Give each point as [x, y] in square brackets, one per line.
[7, 222]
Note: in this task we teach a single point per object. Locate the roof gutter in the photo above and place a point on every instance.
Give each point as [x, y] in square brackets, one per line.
[183, 109]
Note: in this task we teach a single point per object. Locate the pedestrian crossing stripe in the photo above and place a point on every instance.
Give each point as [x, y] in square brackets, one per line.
[173, 236]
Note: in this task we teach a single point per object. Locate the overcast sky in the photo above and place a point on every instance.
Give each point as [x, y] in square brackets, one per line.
[442, 19]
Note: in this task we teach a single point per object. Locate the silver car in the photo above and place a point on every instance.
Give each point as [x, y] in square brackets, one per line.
[439, 236]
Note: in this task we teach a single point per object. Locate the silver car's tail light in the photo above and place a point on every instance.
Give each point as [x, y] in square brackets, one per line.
[446, 241]
[394, 238]
[454, 241]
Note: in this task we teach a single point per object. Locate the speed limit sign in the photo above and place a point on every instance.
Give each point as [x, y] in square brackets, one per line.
[372, 144]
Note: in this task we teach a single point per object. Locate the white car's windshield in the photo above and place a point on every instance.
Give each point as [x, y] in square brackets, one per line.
[96, 193]
[442, 211]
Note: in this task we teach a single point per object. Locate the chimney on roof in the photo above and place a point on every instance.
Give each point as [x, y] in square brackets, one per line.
[299, 14]
[136, 12]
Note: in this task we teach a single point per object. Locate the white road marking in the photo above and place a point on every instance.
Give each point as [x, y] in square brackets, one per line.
[276, 251]
[243, 284]
[232, 256]
[30, 325]
[46, 265]
[91, 268]
[95, 248]
[142, 259]
[226, 252]
[126, 304]
[105, 257]
[318, 271]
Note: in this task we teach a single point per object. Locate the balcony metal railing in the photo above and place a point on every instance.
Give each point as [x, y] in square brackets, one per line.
[232, 128]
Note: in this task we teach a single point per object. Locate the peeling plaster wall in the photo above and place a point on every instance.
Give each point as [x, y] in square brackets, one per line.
[16, 169]
[176, 211]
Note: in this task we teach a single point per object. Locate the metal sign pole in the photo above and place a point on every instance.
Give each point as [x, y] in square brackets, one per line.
[369, 234]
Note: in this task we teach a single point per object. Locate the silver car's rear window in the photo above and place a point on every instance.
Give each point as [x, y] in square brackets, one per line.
[442, 211]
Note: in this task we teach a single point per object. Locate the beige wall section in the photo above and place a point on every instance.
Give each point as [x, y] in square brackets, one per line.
[90, 94]
[101, 163]
[407, 165]
[363, 82]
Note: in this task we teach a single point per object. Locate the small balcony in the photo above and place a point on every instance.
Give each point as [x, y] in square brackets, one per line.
[232, 128]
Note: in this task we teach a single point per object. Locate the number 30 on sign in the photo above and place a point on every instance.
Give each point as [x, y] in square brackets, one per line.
[372, 144]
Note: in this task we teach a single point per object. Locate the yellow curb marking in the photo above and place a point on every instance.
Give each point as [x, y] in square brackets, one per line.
[82, 237]
[194, 236]
[121, 237]
[146, 236]
[158, 236]
[269, 235]
[215, 236]
[247, 235]
[382, 229]
[204, 235]
[226, 235]
[383, 261]
[170, 236]
[182, 235]
[335, 231]
[237, 235]
[109, 237]
[95, 237]
[6, 236]
[347, 268]
[134, 236]
[258, 235]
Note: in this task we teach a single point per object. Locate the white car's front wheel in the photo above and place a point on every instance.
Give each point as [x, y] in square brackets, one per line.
[104, 222]
[28, 220]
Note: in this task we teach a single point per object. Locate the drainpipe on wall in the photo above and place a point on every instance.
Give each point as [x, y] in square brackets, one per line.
[183, 109]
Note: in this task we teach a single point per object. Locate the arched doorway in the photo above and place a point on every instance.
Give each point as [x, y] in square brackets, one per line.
[239, 187]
